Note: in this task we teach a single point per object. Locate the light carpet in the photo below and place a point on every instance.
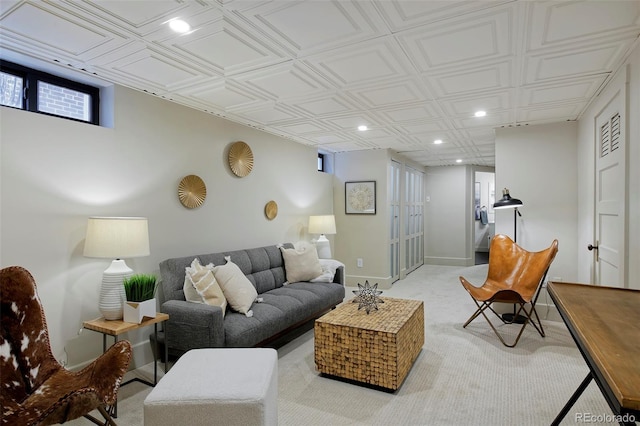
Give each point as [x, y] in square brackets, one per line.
[461, 377]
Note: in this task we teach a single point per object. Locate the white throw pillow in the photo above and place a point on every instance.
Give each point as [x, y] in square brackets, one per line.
[200, 286]
[301, 264]
[237, 288]
[329, 267]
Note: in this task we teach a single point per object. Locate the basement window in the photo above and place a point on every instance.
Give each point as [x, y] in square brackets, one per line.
[36, 91]
[321, 165]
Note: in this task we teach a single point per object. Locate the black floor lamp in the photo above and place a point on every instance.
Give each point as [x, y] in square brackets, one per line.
[511, 203]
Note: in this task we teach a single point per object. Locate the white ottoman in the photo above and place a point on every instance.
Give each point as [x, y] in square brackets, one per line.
[217, 386]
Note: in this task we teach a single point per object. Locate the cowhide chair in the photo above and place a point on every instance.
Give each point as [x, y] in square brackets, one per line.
[36, 389]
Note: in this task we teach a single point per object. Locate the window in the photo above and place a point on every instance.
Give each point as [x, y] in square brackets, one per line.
[36, 91]
[321, 167]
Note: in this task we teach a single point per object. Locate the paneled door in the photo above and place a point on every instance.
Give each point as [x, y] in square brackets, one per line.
[610, 189]
[413, 219]
[394, 219]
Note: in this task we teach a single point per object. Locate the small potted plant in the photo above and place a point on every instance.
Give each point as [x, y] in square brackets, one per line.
[140, 290]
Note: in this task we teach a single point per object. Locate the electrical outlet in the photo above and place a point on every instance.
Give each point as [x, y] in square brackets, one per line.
[359, 263]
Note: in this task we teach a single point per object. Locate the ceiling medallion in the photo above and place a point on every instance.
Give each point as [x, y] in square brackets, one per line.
[240, 159]
[192, 191]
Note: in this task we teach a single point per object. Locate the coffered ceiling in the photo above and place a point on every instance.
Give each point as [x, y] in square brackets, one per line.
[413, 71]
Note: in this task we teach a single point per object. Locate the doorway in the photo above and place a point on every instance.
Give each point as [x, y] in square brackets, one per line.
[484, 216]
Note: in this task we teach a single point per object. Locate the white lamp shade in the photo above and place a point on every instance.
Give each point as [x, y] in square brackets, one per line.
[117, 237]
[322, 224]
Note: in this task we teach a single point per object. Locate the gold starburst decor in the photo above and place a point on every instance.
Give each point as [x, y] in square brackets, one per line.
[367, 297]
[240, 159]
[192, 191]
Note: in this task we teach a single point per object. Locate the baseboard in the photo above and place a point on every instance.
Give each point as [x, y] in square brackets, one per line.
[448, 261]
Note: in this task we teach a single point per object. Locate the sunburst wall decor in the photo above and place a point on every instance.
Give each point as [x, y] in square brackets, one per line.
[192, 191]
[240, 159]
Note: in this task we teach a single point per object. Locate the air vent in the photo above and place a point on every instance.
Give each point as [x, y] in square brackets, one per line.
[615, 132]
[605, 139]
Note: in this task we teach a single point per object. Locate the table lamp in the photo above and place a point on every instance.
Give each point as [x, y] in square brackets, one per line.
[322, 225]
[115, 238]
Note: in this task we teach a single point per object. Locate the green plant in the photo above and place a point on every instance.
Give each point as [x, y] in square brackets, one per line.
[140, 287]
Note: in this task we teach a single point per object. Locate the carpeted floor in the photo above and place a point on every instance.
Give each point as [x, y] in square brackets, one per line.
[461, 377]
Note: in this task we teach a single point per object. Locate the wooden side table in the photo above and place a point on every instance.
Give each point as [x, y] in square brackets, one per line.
[117, 327]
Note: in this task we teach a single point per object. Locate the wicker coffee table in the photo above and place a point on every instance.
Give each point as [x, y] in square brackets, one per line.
[378, 349]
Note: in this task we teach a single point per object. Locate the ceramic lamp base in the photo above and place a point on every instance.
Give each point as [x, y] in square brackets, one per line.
[112, 295]
[323, 247]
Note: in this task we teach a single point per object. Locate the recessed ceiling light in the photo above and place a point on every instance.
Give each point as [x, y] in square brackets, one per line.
[179, 26]
[480, 113]
[362, 128]
[459, 160]
[437, 141]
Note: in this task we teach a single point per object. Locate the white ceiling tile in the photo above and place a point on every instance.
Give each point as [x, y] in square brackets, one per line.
[477, 38]
[556, 23]
[351, 121]
[406, 14]
[333, 104]
[222, 96]
[363, 63]
[284, 81]
[572, 90]
[227, 48]
[468, 105]
[573, 62]
[312, 26]
[419, 111]
[55, 29]
[569, 112]
[472, 80]
[390, 94]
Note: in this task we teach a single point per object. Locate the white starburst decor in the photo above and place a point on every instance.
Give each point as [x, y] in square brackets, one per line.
[367, 297]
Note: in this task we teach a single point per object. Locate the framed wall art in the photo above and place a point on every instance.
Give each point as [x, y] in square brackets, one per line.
[360, 197]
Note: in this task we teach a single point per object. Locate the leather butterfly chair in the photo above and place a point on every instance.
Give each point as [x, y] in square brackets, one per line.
[36, 389]
[515, 276]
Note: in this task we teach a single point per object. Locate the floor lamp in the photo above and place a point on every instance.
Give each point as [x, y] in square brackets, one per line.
[506, 202]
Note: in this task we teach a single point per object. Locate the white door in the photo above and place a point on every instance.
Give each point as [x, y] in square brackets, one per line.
[413, 219]
[394, 215]
[610, 202]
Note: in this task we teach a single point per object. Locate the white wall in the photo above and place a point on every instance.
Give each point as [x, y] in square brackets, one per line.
[363, 236]
[627, 80]
[56, 173]
[538, 165]
[448, 217]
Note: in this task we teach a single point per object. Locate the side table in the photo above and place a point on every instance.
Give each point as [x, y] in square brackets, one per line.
[117, 327]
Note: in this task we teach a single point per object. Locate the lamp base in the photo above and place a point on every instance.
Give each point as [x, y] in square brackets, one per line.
[323, 247]
[519, 319]
[112, 295]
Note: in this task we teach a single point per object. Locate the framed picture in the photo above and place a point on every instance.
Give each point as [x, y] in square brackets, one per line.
[360, 197]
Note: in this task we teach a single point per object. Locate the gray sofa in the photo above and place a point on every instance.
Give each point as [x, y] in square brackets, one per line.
[283, 307]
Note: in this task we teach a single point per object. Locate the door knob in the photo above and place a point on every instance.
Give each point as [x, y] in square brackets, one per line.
[591, 247]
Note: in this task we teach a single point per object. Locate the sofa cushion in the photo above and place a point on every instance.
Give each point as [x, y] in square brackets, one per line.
[238, 290]
[329, 267]
[301, 264]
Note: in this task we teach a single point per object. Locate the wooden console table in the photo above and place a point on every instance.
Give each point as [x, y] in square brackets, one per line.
[605, 324]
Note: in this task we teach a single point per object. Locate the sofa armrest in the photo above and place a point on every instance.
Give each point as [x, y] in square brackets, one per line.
[193, 325]
[339, 275]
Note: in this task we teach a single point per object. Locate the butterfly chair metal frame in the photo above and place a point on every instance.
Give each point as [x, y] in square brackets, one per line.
[515, 276]
[36, 388]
